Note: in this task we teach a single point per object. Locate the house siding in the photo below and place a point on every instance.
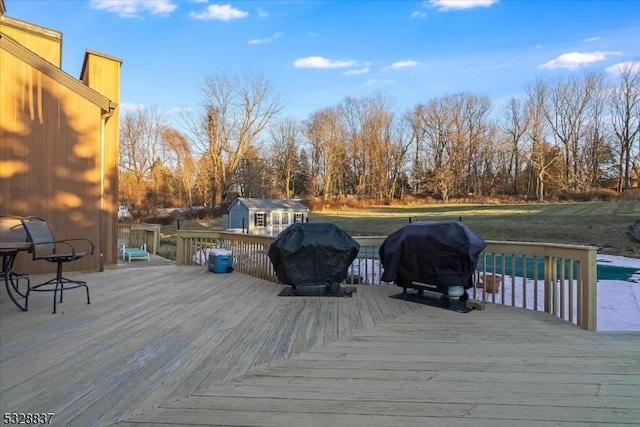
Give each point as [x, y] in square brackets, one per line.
[102, 73]
[44, 42]
[54, 162]
[238, 212]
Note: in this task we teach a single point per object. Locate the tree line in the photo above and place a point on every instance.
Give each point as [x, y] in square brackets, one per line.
[569, 135]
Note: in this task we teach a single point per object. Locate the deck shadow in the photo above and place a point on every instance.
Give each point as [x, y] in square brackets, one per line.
[432, 301]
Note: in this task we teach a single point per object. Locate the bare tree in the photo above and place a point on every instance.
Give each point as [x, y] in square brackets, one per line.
[439, 157]
[353, 112]
[543, 155]
[236, 110]
[499, 168]
[397, 152]
[368, 124]
[450, 133]
[285, 139]
[415, 120]
[487, 160]
[556, 139]
[472, 124]
[567, 112]
[202, 181]
[513, 123]
[328, 154]
[184, 166]
[597, 151]
[625, 118]
[141, 148]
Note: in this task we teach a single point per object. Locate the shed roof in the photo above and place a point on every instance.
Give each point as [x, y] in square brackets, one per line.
[268, 204]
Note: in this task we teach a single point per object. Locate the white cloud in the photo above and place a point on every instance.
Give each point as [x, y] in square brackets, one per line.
[574, 60]
[356, 72]
[220, 12]
[262, 13]
[321, 62]
[445, 5]
[592, 39]
[134, 8]
[418, 14]
[378, 82]
[130, 106]
[175, 111]
[266, 40]
[624, 66]
[403, 64]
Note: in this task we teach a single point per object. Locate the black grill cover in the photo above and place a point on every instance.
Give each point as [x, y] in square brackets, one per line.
[440, 253]
[312, 254]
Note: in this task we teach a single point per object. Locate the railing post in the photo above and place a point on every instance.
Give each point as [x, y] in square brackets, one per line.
[156, 238]
[180, 247]
[548, 285]
[588, 306]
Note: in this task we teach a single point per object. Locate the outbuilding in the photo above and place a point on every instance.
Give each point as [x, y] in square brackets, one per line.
[263, 216]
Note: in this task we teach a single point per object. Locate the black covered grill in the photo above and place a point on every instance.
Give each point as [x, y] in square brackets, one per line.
[313, 254]
[435, 253]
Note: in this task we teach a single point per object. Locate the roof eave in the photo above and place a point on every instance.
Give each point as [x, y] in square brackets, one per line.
[50, 70]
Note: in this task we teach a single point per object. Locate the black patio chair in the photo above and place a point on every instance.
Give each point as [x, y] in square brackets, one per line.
[12, 231]
[45, 247]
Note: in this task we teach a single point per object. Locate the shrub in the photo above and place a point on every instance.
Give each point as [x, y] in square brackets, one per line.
[159, 219]
[344, 202]
[630, 195]
[167, 249]
[603, 195]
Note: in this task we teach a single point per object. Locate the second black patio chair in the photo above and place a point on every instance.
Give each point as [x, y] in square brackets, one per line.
[45, 247]
[12, 231]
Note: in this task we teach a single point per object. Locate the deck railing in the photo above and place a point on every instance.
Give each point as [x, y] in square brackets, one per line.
[135, 235]
[554, 278]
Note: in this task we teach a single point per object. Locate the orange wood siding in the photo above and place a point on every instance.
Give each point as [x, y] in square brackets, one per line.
[50, 155]
[102, 73]
[57, 161]
[42, 41]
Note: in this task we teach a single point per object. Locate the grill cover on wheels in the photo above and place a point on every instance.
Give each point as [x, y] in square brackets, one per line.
[440, 253]
[312, 254]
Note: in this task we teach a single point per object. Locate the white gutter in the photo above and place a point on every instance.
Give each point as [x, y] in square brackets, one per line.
[103, 123]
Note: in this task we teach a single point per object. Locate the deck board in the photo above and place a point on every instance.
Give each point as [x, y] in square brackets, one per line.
[394, 408]
[153, 334]
[501, 366]
[177, 345]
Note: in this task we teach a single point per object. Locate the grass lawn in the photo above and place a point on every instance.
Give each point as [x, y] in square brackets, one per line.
[602, 224]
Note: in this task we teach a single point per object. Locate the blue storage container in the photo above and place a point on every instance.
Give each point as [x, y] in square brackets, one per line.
[220, 261]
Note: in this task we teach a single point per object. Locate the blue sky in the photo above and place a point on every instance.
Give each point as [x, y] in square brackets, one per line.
[315, 53]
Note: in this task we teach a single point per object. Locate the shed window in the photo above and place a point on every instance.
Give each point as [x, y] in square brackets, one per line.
[298, 217]
[261, 219]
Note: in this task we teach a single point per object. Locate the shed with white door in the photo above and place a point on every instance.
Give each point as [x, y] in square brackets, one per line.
[263, 216]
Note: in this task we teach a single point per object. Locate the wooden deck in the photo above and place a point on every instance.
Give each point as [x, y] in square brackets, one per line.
[177, 345]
